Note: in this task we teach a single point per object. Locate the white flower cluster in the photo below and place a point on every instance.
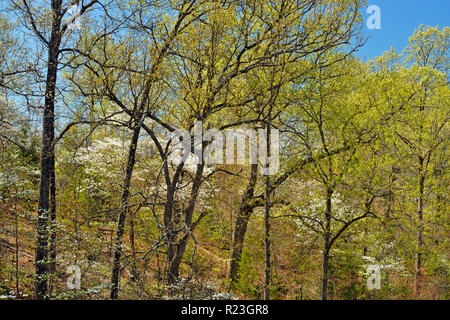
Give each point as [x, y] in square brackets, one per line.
[103, 162]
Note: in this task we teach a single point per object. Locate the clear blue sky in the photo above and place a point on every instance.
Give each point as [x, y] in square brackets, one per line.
[399, 19]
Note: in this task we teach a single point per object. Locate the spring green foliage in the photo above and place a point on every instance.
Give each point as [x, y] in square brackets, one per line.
[373, 192]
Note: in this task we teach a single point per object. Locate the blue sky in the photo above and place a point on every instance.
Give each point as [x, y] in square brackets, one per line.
[399, 19]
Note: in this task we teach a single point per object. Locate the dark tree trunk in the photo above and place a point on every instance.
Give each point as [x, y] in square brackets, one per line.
[325, 267]
[115, 274]
[133, 248]
[171, 236]
[267, 224]
[326, 249]
[420, 203]
[52, 247]
[240, 228]
[390, 197]
[47, 154]
[174, 263]
[16, 236]
[180, 247]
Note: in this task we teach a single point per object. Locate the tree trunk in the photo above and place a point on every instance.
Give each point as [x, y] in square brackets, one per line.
[267, 254]
[47, 154]
[52, 247]
[174, 263]
[180, 247]
[240, 228]
[16, 236]
[133, 249]
[326, 250]
[171, 236]
[267, 223]
[115, 274]
[418, 271]
[325, 266]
